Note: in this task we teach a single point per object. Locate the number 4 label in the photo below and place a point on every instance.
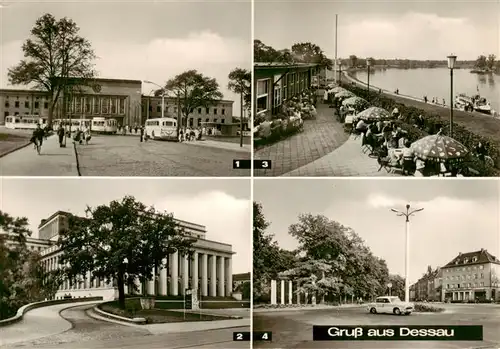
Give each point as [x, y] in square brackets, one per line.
[266, 336]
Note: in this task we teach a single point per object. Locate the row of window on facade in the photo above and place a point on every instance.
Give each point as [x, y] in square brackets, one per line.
[465, 285]
[284, 88]
[167, 109]
[475, 267]
[463, 277]
[191, 121]
[87, 105]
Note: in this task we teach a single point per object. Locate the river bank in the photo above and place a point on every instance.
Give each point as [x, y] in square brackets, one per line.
[480, 124]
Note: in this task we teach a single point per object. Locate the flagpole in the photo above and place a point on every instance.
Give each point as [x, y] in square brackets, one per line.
[336, 39]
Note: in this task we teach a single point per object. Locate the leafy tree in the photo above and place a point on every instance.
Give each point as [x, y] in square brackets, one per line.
[22, 279]
[265, 53]
[193, 90]
[56, 58]
[481, 62]
[306, 52]
[353, 60]
[239, 83]
[120, 242]
[398, 286]
[491, 61]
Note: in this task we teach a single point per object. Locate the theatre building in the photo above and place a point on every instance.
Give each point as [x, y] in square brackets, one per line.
[210, 269]
[472, 276]
[276, 82]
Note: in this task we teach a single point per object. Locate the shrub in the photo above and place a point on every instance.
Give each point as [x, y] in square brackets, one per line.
[432, 124]
[426, 308]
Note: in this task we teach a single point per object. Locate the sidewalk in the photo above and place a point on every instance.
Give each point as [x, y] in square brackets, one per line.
[307, 307]
[53, 161]
[320, 137]
[37, 323]
[221, 145]
[346, 161]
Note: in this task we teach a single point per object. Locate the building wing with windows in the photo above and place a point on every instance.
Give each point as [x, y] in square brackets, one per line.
[276, 82]
[472, 276]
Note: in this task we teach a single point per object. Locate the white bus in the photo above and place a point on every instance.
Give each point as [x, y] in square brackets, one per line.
[27, 122]
[76, 124]
[161, 128]
[104, 125]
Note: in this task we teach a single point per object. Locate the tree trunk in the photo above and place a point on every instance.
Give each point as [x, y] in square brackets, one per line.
[121, 290]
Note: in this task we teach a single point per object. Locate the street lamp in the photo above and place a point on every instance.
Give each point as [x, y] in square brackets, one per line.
[340, 71]
[162, 96]
[368, 64]
[451, 64]
[407, 214]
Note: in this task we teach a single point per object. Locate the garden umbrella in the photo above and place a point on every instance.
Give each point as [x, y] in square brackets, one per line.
[337, 89]
[356, 102]
[374, 113]
[439, 147]
[344, 94]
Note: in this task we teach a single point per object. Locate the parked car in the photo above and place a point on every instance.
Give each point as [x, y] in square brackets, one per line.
[390, 305]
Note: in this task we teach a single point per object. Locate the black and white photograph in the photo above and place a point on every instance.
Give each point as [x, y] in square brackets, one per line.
[397, 252]
[125, 88]
[124, 263]
[377, 88]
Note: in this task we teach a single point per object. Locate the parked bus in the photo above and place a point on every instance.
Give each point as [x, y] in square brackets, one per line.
[104, 125]
[74, 124]
[161, 128]
[27, 122]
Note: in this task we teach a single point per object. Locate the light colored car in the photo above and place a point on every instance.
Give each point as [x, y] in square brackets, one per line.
[390, 305]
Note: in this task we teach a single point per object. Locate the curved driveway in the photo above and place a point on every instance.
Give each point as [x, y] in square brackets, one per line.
[63, 327]
[293, 329]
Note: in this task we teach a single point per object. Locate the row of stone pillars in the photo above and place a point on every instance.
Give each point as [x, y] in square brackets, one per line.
[287, 285]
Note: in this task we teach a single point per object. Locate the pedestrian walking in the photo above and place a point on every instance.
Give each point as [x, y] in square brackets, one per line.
[38, 135]
[142, 133]
[60, 135]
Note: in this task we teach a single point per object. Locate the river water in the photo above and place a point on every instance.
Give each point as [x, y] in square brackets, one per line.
[435, 83]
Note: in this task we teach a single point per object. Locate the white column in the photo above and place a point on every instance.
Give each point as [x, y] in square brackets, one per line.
[282, 291]
[221, 277]
[194, 271]
[87, 280]
[151, 284]
[273, 292]
[162, 287]
[139, 285]
[185, 274]
[174, 274]
[290, 291]
[229, 277]
[213, 275]
[204, 274]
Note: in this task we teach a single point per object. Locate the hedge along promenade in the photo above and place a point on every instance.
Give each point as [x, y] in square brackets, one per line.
[24, 309]
[469, 129]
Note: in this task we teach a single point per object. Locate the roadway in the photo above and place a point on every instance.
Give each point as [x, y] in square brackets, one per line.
[76, 328]
[293, 328]
[127, 156]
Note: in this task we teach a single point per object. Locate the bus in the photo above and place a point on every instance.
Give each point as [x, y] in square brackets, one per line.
[27, 122]
[162, 128]
[104, 125]
[73, 124]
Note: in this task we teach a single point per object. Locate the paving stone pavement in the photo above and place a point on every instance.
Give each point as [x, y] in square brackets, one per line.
[126, 156]
[222, 145]
[53, 160]
[320, 137]
[348, 160]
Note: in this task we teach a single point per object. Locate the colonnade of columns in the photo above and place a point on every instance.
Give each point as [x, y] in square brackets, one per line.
[210, 273]
[287, 291]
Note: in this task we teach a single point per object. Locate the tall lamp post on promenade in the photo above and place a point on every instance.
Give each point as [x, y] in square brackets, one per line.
[162, 96]
[407, 214]
[451, 65]
[368, 64]
[340, 71]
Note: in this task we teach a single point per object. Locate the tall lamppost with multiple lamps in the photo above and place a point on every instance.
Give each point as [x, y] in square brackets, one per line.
[162, 89]
[407, 214]
[368, 64]
[451, 65]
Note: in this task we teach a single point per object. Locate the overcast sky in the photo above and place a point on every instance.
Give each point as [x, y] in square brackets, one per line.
[222, 205]
[459, 215]
[143, 40]
[383, 29]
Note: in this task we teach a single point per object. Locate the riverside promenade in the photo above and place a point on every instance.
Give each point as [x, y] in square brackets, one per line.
[480, 124]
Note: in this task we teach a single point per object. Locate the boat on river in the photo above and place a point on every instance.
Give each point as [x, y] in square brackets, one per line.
[476, 103]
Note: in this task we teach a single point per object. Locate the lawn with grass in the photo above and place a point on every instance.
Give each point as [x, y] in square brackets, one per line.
[10, 142]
